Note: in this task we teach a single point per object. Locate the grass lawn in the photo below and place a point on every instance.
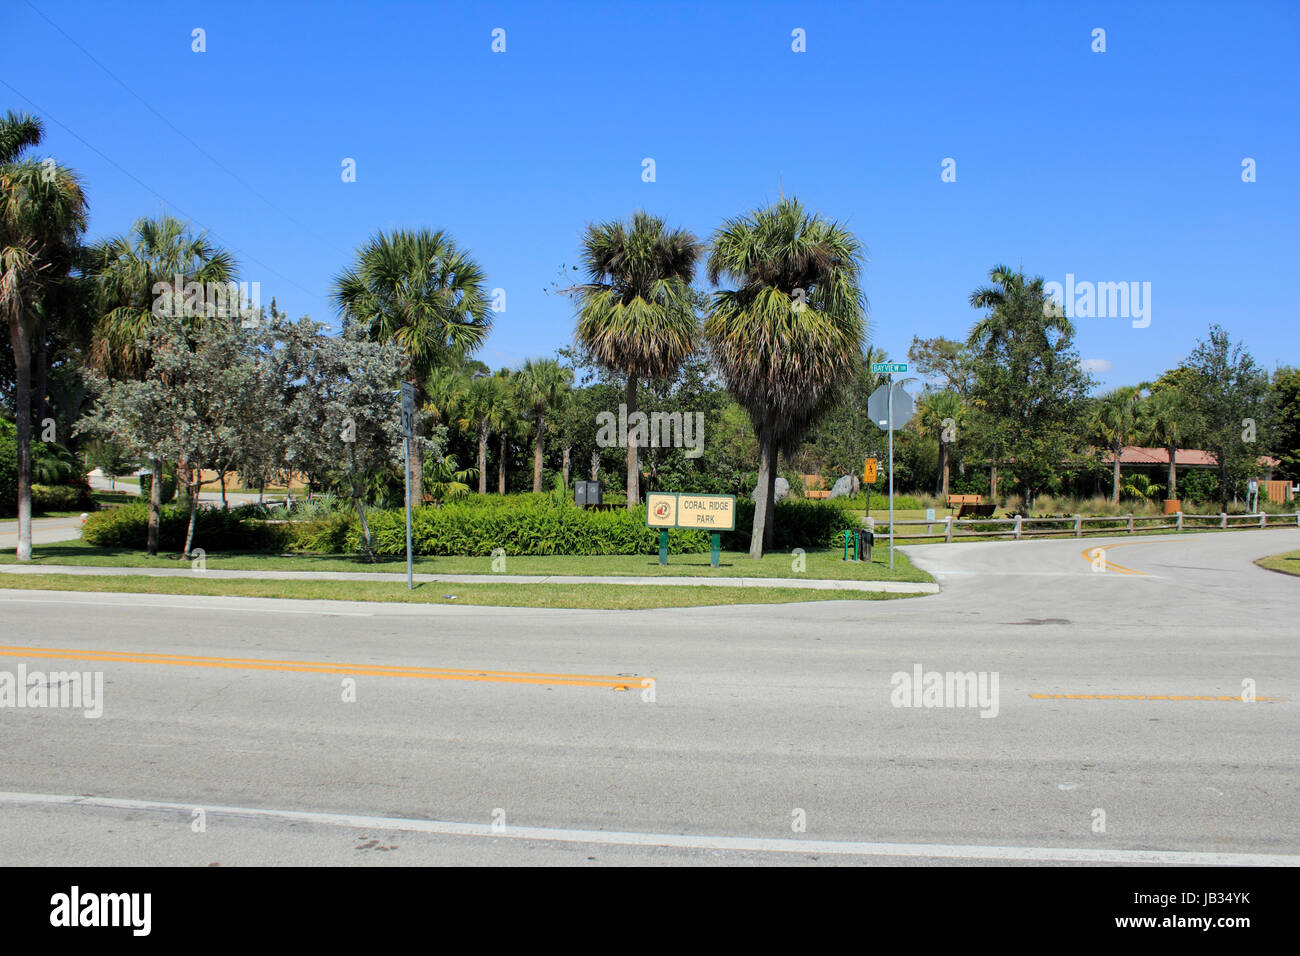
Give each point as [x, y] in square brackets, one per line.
[820, 564]
[1288, 563]
[586, 596]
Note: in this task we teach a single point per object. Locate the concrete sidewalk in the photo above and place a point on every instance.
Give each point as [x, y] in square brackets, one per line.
[818, 584]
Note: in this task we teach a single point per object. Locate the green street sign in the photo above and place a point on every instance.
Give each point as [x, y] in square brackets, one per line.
[881, 368]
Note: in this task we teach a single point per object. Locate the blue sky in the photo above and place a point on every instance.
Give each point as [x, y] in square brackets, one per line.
[1122, 166]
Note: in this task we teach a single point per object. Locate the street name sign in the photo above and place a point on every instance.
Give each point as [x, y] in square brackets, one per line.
[885, 368]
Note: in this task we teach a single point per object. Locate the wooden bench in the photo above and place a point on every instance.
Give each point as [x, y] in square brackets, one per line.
[970, 506]
[812, 487]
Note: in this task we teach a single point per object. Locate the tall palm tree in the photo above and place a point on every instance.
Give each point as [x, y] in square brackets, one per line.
[419, 290]
[502, 418]
[1164, 421]
[42, 216]
[473, 408]
[540, 386]
[933, 410]
[785, 338]
[1114, 425]
[636, 312]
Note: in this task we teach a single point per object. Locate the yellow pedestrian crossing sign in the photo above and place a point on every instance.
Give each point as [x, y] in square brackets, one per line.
[869, 471]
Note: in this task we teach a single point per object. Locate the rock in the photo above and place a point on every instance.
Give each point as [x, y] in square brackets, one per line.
[782, 490]
[843, 488]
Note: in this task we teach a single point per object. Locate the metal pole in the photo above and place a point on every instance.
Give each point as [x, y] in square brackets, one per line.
[410, 577]
[891, 471]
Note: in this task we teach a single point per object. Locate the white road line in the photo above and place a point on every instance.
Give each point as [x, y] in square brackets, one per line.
[738, 844]
[183, 607]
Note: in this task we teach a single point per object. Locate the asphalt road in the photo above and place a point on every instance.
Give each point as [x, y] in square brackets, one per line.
[762, 718]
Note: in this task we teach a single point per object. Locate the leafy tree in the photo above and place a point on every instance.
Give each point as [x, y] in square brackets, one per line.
[421, 292]
[785, 338]
[636, 312]
[342, 415]
[1284, 416]
[1028, 390]
[42, 215]
[945, 362]
[1227, 396]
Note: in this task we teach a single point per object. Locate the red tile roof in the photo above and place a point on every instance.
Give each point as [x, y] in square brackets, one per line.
[1191, 457]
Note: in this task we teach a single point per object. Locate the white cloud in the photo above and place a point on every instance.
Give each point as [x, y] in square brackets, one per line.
[1095, 365]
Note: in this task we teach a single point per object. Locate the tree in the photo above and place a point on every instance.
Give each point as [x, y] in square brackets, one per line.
[1284, 416]
[419, 291]
[1165, 421]
[1227, 396]
[1028, 390]
[342, 417]
[1113, 422]
[192, 405]
[42, 215]
[945, 362]
[540, 387]
[636, 312]
[786, 336]
[502, 418]
[941, 415]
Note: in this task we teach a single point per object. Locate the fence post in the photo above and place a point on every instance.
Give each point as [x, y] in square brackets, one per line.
[1223, 520]
[947, 532]
[1017, 528]
[1078, 526]
[1130, 522]
[1180, 521]
[1263, 519]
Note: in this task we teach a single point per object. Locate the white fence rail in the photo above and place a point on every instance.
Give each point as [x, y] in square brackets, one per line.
[1022, 527]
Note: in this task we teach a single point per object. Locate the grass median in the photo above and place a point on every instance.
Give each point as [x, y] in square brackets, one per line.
[612, 597]
[1288, 563]
[817, 563]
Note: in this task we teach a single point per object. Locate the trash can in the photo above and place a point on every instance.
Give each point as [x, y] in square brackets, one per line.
[865, 539]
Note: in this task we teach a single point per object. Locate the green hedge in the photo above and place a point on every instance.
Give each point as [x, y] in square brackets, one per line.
[62, 498]
[168, 489]
[520, 525]
[214, 530]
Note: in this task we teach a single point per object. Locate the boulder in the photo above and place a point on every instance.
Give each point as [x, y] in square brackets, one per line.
[782, 490]
[843, 488]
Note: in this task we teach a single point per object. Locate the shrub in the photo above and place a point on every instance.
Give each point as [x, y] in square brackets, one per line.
[800, 523]
[214, 530]
[62, 498]
[8, 467]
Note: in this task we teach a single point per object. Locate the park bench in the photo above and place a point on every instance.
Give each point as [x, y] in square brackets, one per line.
[812, 485]
[970, 506]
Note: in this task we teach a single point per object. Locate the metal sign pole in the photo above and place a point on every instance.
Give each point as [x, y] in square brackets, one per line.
[891, 471]
[410, 577]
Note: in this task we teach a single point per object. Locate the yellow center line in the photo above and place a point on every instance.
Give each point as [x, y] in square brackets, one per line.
[1091, 554]
[1238, 699]
[617, 682]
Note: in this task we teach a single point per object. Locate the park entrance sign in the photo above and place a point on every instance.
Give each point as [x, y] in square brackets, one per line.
[667, 509]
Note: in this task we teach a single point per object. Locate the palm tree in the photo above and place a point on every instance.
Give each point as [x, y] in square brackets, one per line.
[540, 387]
[42, 215]
[636, 313]
[127, 273]
[934, 409]
[473, 403]
[1114, 425]
[785, 338]
[502, 418]
[126, 270]
[419, 290]
[1164, 421]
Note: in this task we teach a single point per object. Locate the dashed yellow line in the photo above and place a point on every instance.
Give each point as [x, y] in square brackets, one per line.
[617, 682]
[1239, 700]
